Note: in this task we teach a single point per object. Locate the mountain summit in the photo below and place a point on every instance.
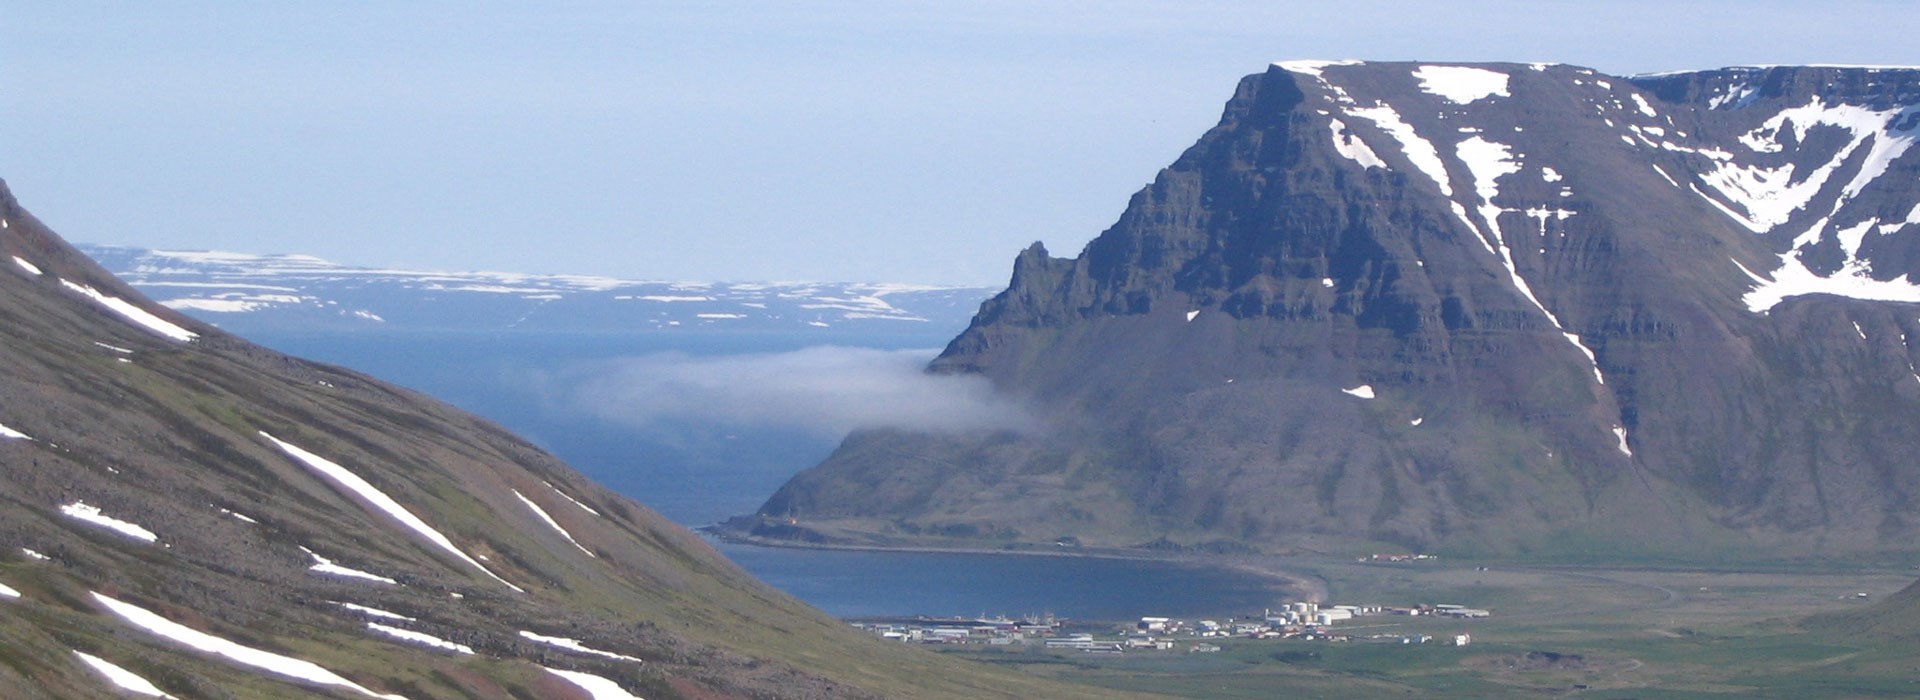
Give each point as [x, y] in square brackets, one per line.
[1492, 308]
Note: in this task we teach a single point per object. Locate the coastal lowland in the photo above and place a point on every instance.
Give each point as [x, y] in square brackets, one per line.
[1783, 630]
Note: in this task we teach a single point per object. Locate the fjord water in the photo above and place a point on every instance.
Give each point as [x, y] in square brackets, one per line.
[698, 471]
[881, 584]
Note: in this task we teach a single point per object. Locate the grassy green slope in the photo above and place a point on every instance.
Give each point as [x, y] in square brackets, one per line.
[169, 435]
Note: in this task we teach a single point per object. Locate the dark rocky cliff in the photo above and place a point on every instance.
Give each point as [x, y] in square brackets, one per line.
[1492, 308]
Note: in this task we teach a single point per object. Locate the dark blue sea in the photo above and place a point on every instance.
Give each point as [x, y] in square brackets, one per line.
[698, 470]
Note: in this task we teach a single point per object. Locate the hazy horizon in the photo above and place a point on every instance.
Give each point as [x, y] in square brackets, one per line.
[920, 143]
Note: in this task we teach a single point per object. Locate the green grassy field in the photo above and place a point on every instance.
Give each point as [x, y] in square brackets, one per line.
[1586, 632]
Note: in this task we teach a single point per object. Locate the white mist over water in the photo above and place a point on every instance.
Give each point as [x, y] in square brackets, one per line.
[824, 390]
[703, 430]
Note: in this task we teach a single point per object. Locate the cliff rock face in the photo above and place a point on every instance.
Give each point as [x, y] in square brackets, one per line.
[1490, 308]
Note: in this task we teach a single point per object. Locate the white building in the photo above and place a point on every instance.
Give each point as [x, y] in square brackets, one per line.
[1331, 615]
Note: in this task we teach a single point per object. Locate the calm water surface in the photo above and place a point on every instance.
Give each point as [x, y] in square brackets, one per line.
[876, 584]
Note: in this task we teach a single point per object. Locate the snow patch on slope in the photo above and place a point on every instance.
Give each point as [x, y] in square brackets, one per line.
[1347, 144]
[1645, 108]
[1769, 196]
[1364, 391]
[375, 612]
[29, 267]
[326, 566]
[420, 638]
[138, 316]
[1418, 150]
[1850, 238]
[574, 645]
[1485, 160]
[598, 688]
[379, 499]
[1546, 214]
[121, 678]
[548, 519]
[570, 499]
[8, 592]
[79, 510]
[7, 433]
[1488, 162]
[1461, 84]
[1312, 67]
[238, 653]
[1853, 281]
[1733, 96]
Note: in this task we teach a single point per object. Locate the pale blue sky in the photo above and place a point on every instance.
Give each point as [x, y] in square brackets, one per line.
[861, 141]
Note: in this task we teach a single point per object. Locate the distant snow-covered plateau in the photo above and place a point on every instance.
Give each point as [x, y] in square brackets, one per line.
[248, 293]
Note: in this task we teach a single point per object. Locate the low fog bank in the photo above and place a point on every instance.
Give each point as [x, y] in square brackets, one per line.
[826, 390]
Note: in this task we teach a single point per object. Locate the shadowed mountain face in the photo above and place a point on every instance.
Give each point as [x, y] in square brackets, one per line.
[186, 513]
[1493, 308]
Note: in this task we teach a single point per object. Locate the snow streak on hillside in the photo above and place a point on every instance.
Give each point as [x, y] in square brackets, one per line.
[270, 662]
[366, 491]
[1484, 161]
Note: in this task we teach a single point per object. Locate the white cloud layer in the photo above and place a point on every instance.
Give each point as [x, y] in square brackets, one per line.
[826, 390]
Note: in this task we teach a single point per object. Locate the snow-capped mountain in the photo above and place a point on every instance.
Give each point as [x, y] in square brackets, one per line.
[1488, 307]
[254, 293]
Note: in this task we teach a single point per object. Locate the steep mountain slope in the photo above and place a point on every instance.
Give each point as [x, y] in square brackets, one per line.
[251, 294]
[188, 515]
[1478, 308]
